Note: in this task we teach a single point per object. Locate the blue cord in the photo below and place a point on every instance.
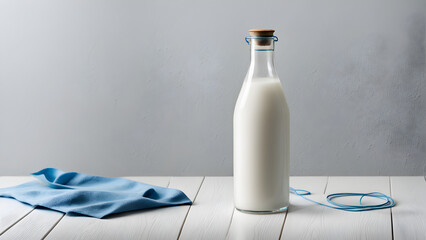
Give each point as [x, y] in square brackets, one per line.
[389, 202]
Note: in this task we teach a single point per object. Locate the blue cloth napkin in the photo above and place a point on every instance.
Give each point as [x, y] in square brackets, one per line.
[77, 193]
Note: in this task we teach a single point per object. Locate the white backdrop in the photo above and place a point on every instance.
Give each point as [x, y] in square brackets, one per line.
[117, 87]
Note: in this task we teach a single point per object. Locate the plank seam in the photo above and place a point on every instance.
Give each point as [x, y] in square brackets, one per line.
[50, 230]
[230, 223]
[16, 222]
[326, 184]
[390, 192]
[282, 227]
[189, 209]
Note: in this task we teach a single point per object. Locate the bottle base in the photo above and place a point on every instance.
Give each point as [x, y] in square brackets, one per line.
[263, 212]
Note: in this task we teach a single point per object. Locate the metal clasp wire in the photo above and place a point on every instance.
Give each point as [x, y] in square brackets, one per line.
[273, 37]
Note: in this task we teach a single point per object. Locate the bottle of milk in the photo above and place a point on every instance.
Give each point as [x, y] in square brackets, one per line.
[261, 133]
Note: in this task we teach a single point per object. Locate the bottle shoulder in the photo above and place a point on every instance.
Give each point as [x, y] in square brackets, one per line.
[263, 94]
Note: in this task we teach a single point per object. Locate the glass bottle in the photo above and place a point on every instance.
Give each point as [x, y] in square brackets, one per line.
[261, 133]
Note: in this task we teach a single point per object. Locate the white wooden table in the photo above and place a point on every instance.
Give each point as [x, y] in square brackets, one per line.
[212, 216]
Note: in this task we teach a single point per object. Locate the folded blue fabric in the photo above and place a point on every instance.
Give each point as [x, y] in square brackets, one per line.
[77, 193]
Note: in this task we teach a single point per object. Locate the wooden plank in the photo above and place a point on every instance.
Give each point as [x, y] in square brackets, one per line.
[304, 218]
[210, 216]
[326, 223]
[161, 223]
[11, 211]
[409, 215]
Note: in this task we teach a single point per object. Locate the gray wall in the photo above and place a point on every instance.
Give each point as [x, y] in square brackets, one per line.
[148, 87]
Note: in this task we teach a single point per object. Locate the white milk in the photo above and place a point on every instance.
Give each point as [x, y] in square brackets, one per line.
[261, 147]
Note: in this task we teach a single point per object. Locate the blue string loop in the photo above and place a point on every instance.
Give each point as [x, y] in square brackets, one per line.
[275, 38]
[388, 201]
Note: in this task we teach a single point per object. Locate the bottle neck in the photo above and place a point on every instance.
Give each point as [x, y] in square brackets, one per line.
[262, 59]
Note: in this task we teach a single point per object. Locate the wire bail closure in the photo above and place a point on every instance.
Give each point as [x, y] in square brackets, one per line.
[275, 38]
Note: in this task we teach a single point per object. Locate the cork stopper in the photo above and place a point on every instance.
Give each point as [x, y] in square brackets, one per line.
[262, 33]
